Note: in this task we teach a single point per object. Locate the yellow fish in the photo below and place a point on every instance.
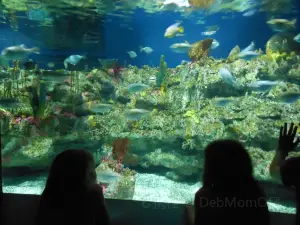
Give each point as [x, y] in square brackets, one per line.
[174, 30]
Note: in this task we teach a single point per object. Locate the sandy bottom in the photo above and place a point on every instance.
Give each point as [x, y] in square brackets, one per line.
[148, 187]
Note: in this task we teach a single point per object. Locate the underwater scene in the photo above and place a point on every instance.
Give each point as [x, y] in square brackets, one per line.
[145, 85]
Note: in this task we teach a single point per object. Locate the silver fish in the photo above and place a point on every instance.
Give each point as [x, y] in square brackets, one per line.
[54, 76]
[147, 50]
[107, 176]
[136, 87]
[297, 38]
[221, 102]
[4, 74]
[132, 54]
[281, 25]
[262, 85]
[100, 108]
[248, 52]
[181, 47]
[8, 103]
[249, 47]
[250, 12]
[210, 30]
[227, 77]
[249, 55]
[215, 44]
[136, 114]
[18, 52]
[288, 98]
[73, 60]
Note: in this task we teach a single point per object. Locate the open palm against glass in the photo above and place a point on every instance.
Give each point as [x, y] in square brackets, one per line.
[287, 138]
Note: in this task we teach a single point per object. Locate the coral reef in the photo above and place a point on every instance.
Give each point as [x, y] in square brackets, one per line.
[200, 49]
[201, 3]
[194, 107]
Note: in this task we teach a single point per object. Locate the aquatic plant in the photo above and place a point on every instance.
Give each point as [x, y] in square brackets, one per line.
[16, 73]
[8, 88]
[4, 123]
[162, 75]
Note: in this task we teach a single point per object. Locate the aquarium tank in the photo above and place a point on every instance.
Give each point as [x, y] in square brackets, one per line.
[145, 85]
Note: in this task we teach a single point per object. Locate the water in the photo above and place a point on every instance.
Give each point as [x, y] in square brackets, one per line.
[147, 117]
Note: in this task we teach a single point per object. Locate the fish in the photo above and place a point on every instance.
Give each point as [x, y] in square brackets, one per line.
[99, 107]
[147, 50]
[18, 52]
[248, 53]
[214, 44]
[250, 12]
[4, 74]
[152, 80]
[136, 114]
[38, 15]
[249, 47]
[54, 76]
[227, 77]
[262, 85]
[288, 98]
[4, 63]
[234, 52]
[177, 3]
[181, 47]
[73, 60]
[210, 30]
[221, 102]
[200, 21]
[132, 54]
[107, 63]
[51, 64]
[174, 30]
[91, 38]
[208, 33]
[9, 103]
[136, 87]
[169, 6]
[297, 38]
[281, 25]
[107, 176]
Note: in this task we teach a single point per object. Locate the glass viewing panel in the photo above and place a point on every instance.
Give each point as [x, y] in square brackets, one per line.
[145, 85]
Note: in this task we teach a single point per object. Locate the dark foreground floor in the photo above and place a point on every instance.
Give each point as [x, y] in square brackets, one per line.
[20, 210]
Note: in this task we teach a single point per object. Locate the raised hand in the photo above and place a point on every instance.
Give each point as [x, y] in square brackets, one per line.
[287, 139]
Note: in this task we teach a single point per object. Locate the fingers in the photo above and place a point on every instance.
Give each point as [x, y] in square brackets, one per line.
[290, 129]
[281, 131]
[294, 131]
[296, 142]
[285, 129]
